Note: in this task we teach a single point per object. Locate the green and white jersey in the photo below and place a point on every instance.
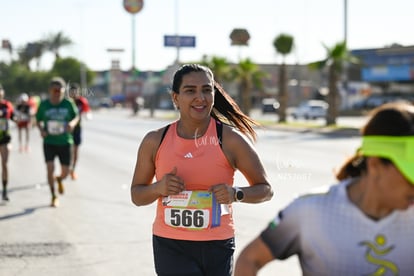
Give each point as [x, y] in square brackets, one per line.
[331, 236]
[55, 119]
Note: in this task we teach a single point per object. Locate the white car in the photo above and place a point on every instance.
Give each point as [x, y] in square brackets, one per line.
[269, 105]
[311, 109]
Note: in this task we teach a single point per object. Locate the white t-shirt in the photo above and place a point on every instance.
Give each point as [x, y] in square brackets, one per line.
[331, 236]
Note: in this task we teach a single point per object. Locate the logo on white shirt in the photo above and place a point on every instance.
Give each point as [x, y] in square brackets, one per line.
[188, 155]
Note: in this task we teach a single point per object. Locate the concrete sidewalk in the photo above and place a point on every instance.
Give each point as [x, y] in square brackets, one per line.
[346, 125]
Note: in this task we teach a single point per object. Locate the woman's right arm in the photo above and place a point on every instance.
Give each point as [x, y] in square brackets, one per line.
[143, 190]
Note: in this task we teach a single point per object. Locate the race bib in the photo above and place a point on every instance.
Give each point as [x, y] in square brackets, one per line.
[55, 127]
[22, 117]
[192, 210]
[3, 124]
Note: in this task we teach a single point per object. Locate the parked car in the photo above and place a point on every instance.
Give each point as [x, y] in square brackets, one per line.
[269, 105]
[311, 109]
[376, 100]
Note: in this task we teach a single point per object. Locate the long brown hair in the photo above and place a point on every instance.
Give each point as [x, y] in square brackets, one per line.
[392, 119]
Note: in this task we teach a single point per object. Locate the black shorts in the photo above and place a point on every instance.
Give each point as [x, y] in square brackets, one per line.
[77, 139]
[63, 152]
[204, 258]
[5, 139]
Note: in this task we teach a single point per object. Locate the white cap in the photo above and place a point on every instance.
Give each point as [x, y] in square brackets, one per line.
[24, 97]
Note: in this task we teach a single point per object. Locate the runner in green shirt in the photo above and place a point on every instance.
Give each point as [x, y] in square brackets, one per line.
[56, 118]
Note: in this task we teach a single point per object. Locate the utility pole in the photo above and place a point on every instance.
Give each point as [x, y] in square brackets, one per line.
[345, 64]
[177, 38]
[133, 7]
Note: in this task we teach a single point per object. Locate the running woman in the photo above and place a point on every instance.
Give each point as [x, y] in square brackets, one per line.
[194, 160]
[361, 226]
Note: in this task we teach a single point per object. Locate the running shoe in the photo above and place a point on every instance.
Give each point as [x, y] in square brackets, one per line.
[73, 175]
[5, 197]
[55, 202]
[61, 188]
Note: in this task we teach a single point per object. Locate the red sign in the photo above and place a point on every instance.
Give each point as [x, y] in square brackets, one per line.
[133, 6]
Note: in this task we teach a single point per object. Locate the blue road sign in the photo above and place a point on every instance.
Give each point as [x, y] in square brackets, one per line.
[179, 41]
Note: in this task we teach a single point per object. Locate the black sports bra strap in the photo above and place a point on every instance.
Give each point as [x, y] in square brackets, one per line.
[164, 132]
[219, 129]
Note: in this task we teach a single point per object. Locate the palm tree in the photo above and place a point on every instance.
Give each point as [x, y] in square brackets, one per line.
[335, 59]
[25, 57]
[220, 67]
[33, 50]
[38, 49]
[249, 75]
[56, 41]
[283, 45]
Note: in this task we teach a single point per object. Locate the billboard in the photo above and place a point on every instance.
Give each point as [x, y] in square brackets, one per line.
[386, 64]
[388, 73]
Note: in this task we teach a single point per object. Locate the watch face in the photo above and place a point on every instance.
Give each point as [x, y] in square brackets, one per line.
[239, 195]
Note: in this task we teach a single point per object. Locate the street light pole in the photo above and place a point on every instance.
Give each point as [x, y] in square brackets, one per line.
[345, 21]
[133, 7]
[133, 42]
[345, 64]
[177, 42]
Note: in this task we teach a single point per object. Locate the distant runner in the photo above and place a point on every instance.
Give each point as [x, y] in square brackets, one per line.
[56, 118]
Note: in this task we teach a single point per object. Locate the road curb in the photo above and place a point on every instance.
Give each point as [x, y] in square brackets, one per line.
[327, 131]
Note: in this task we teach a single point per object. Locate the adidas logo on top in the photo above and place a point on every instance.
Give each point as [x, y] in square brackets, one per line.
[188, 155]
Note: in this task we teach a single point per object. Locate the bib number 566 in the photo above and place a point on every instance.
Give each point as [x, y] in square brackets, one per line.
[187, 218]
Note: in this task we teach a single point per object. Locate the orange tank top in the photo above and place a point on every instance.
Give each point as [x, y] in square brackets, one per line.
[201, 163]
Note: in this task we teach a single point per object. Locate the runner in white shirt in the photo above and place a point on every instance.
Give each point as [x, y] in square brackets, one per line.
[362, 226]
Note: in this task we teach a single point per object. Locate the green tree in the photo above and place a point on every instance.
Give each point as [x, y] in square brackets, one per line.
[249, 76]
[16, 78]
[33, 82]
[283, 45]
[70, 70]
[336, 57]
[220, 67]
[8, 74]
[54, 42]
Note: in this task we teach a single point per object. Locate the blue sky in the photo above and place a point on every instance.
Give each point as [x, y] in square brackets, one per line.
[96, 25]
